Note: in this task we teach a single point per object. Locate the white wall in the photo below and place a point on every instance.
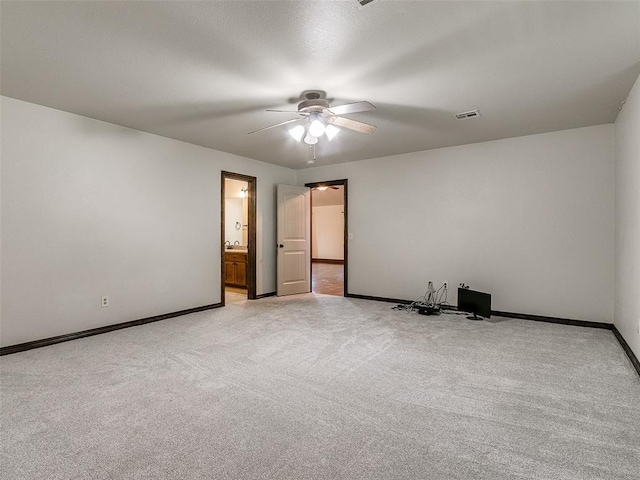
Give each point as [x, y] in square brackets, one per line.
[91, 208]
[627, 236]
[327, 232]
[527, 219]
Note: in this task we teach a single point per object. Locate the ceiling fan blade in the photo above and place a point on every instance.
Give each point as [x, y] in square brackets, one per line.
[351, 124]
[276, 125]
[352, 108]
[302, 114]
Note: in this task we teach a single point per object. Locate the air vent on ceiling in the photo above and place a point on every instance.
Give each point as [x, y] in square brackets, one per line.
[364, 2]
[470, 114]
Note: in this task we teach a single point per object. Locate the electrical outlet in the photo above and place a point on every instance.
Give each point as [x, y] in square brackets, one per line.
[105, 301]
[638, 326]
[446, 284]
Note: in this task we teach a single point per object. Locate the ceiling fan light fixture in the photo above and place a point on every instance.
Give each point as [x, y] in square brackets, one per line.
[330, 131]
[316, 117]
[297, 133]
[310, 139]
[316, 128]
[323, 188]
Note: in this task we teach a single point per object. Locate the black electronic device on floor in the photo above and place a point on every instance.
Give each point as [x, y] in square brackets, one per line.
[435, 310]
[478, 303]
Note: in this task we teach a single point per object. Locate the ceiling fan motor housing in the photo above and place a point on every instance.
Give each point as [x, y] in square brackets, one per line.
[314, 105]
[315, 110]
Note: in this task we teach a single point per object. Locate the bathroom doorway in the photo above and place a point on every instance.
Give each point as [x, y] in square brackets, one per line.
[329, 237]
[238, 236]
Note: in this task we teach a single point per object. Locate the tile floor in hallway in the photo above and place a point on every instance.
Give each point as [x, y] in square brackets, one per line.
[234, 295]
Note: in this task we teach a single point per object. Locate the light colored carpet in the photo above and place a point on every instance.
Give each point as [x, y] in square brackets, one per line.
[323, 387]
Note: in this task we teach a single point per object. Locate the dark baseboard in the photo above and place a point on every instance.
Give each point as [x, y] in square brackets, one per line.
[537, 318]
[578, 323]
[627, 349]
[21, 347]
[265, 295]
[118, 326]
[327, 260]
[378, 299]
[562, 321]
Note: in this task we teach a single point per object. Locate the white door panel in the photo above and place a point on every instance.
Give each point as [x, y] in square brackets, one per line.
[294, 228]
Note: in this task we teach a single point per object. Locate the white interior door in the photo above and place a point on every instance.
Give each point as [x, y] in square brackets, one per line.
[294, 240]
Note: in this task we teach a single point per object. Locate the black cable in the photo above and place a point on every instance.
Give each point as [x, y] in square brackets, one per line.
[430, 299]
[438, 291]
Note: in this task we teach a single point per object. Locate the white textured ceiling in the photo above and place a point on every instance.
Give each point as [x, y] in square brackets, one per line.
[204, 72]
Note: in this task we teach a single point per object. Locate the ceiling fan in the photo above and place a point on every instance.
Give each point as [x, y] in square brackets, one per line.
[317, 117]
[322, 188]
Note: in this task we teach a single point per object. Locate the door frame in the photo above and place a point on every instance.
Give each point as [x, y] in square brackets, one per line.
[251, 234]
[344, 182]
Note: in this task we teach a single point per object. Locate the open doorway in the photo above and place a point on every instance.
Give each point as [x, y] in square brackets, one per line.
[238, 237]
[329, 237]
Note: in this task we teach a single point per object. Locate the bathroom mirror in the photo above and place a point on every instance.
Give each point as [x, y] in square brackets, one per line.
[236, 213]
[233, 218]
